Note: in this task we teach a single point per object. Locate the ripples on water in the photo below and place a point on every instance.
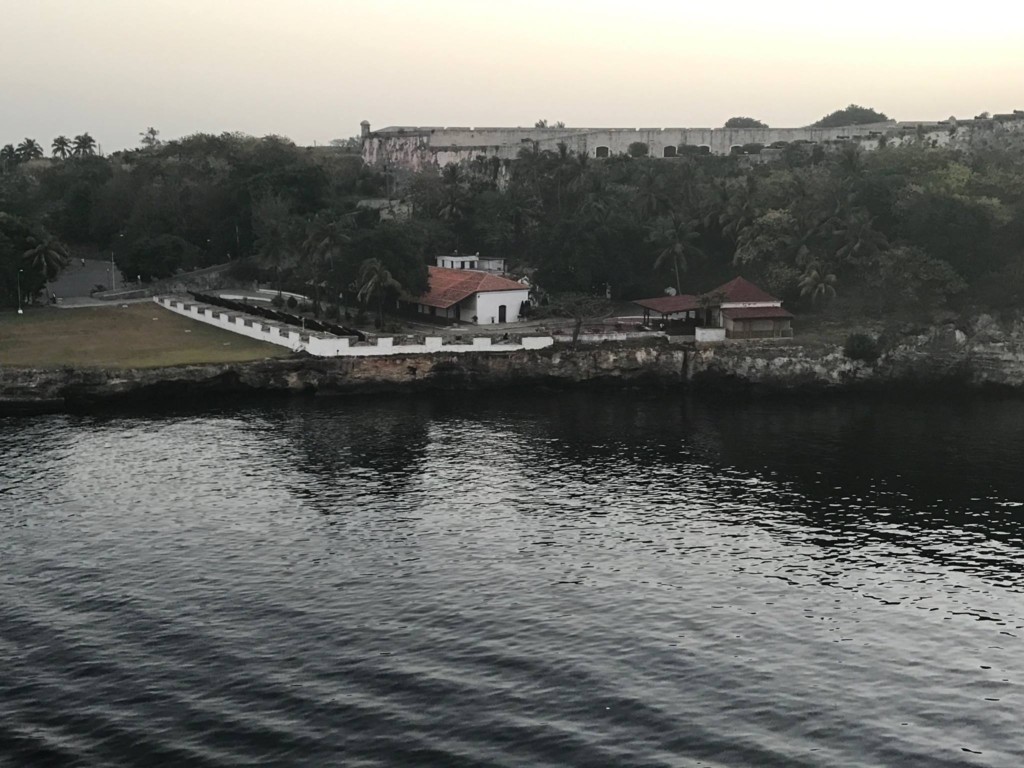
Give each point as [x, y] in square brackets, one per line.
[560, 580]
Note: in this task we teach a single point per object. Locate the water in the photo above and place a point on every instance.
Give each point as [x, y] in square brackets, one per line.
[491, 580]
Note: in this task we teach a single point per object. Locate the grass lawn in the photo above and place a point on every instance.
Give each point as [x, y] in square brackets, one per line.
[136, 336]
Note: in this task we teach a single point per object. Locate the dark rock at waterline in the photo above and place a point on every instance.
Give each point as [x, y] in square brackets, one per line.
[941, 360]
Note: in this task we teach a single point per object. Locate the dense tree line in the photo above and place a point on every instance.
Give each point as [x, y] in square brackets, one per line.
[281, 212]
[899, 229]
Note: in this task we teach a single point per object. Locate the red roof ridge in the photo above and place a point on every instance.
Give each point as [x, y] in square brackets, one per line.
[668, 305]
[739, 290]
[448, 286]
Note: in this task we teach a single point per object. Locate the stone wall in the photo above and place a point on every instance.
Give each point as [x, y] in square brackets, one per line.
[417, 148]
[200, 280]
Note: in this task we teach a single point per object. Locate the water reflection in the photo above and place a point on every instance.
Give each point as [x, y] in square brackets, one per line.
[382, 443]
[624, 579]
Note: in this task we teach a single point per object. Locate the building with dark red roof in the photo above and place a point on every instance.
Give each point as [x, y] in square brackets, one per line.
[739, 290]
[471, 296]
[671, 307]
[740, 309]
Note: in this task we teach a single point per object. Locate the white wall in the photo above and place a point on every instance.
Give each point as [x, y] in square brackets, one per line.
[458, 262]
[326, 345]
[487, 304]
[707, 335]
[492, 264]
[748, 304]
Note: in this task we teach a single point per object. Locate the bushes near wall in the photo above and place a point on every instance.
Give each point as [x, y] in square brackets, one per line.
[860, 346]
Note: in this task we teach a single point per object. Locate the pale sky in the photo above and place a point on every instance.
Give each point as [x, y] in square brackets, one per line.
[312, 69]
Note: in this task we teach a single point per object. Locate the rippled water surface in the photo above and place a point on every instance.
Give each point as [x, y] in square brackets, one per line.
[570, 579]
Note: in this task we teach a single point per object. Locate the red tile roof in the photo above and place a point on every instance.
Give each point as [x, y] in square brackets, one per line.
[755, 313]
[668, 305]
[742, 291]
[736, 291]
[450, 286]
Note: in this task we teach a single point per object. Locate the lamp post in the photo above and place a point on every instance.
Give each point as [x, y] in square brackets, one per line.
[20, 310]
[113, 267]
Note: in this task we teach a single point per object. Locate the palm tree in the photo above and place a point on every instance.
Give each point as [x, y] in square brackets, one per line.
[576, 172]
[674, 238]
[817, 284]
[273, 228]
[150, 138]
[8, 157]
[851, 160]
[375, 280]
[594, 203]
[740, 208]
[29, 149]
[860, 239]
[46, 256]
[529, 167]
[325, 239]
[524, 210]
[84, 145]
[61, 147]
[651, 197]
[456, 204]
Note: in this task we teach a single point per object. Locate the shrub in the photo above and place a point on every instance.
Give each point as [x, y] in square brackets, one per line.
[638, 149]
[303, 307]
[244, 269]
[860, 346]
[292, 302]
[744, 122]
[361, 317]
[277, 301]
[331, 312]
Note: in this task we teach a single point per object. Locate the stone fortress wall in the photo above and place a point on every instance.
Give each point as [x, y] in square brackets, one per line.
[415, 148]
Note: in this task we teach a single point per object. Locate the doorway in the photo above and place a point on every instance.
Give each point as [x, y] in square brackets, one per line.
[501, 313]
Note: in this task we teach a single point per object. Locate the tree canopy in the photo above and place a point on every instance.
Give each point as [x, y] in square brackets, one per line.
[910, 228]
[744, 122]
[851, 115]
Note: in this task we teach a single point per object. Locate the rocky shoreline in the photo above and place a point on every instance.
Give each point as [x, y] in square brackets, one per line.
[940, 359]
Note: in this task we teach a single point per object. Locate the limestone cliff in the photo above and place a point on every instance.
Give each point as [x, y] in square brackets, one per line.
[985, 355]
[34, 389]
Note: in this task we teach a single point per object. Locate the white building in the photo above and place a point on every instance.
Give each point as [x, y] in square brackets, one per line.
[494, 266]
[471, 296]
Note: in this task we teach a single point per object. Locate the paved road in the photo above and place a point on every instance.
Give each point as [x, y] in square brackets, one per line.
[78, 280]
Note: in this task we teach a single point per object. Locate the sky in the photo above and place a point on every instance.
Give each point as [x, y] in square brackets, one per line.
[313, 69]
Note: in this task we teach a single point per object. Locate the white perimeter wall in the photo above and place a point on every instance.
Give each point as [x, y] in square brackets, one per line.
[323, 345]
[710, 335]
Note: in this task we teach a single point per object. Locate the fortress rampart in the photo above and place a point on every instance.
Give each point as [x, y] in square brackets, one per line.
[414, 148]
